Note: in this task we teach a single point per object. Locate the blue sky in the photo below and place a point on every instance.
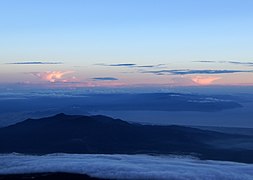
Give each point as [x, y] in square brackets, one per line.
[82, 33]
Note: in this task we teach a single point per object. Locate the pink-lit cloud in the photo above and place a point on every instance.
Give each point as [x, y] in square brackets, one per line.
[68, 79]
[54, 76]
[204, 80]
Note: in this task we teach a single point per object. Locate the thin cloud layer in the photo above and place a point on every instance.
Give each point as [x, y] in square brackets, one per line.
[205, 61]
[105, 79]
[188, 71]
[150, 66]
[124, 64]
[117, 65]
[34, 63]
[126, 166]
[230, 62]
[133, 65]
[242, 63]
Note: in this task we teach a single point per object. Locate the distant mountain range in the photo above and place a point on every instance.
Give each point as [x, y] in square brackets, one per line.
[19, 107]
[112, 102]
[105, 135]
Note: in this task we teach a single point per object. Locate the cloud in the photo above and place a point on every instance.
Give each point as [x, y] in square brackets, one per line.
[201, 80]
[242, 63]
[126, 166]
[205, 61]
[105, 79]
[53, 76]
[150, 66]
[120, 65]
[133, 65]
[230, 62]
[127, 65]
[35, 63]
[188, 71]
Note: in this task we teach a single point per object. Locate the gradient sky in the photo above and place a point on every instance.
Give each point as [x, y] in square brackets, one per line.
[81, 43]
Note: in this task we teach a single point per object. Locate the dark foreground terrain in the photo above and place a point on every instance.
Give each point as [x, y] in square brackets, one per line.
[105, 135]
[47, 176]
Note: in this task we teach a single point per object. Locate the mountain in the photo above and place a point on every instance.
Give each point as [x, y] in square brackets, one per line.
[105, 135]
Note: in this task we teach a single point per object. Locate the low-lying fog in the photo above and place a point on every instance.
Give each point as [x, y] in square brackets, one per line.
[126, 166]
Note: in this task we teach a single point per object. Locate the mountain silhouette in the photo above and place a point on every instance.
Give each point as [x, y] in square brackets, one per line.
[104, 135]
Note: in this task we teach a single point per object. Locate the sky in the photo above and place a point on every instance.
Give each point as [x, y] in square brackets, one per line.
[112, 43]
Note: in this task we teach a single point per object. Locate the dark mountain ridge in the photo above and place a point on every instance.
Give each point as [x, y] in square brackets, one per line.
[105, 135]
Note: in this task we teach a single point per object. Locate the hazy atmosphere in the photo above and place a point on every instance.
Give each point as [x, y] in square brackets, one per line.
[122, 86]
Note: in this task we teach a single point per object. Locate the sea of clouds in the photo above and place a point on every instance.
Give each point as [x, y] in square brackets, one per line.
[127, 166]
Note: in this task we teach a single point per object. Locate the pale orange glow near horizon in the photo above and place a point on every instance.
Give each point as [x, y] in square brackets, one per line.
[130, 77]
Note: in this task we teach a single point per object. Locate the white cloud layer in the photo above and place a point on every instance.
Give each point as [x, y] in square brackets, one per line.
[127, 166]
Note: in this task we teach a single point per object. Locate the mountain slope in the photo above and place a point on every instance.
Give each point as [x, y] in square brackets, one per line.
[104, 135]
